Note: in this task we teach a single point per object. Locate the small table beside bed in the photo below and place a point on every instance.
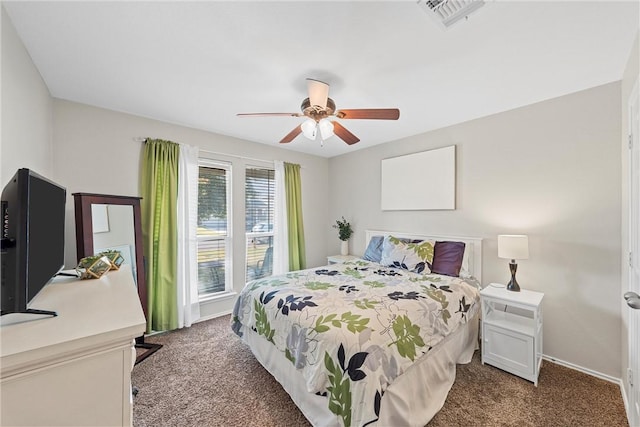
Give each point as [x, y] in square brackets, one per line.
[372, 341]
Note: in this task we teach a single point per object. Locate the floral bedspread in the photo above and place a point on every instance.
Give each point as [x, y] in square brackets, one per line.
[352, 328]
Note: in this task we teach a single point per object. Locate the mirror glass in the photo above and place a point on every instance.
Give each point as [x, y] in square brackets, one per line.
[113, 230]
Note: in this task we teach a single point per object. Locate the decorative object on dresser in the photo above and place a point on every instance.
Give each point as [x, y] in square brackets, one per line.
[93, 267]
[344, 234]
[124, 233]
[513, 247]
[512, 330]
[115, 258]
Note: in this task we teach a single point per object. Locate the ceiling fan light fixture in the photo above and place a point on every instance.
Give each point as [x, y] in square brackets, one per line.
[309, 129]
[326, 128]
[318, 92]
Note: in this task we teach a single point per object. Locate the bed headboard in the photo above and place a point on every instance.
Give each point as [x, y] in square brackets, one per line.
[472, 253]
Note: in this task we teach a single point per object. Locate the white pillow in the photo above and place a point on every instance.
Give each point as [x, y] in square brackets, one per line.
[415, 256]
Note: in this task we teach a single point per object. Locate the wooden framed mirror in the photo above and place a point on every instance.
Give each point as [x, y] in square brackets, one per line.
[108, 222]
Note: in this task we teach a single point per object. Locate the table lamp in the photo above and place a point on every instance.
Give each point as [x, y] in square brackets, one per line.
[513, 247]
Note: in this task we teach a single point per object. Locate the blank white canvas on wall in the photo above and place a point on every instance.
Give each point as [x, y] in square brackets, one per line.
[420, 181]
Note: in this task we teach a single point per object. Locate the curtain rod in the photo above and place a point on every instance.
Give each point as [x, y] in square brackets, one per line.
[144, 140]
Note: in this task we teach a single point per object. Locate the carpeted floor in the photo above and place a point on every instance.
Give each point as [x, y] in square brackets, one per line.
[205, 376]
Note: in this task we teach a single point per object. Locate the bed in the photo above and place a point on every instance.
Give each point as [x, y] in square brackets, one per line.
[370, 342]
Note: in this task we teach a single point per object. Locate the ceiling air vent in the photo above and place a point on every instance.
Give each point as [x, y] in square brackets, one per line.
[448, 12]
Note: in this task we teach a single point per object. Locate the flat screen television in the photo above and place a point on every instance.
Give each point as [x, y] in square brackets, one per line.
[33, 210]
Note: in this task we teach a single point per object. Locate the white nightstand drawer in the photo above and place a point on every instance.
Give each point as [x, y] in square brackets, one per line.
[508, 350]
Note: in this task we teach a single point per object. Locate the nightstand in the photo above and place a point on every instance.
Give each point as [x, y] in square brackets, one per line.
[339, 259]
[512, 330]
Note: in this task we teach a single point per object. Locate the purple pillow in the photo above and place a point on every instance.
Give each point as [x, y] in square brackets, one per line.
[447, 258]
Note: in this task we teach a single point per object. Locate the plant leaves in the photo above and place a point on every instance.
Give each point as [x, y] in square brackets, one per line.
[341, 356]
[376, 403]
[357, 360]
[264, 299]
[357, 375]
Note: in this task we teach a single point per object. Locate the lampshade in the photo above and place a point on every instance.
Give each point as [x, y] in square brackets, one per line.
[309, 129]
[318, 92]
[513, 246]
[326, 128]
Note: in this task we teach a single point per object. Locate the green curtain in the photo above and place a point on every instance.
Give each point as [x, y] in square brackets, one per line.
[293, 189]
[160, 231]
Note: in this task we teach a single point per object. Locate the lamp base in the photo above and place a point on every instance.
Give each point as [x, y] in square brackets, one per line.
[513, 284]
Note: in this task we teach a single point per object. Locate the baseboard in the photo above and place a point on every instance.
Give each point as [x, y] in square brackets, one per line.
[623, 390]
[202, 319]
[583, 369]
[213, 316]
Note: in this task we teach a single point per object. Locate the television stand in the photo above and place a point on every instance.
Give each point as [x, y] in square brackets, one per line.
[15, 317]
[43, 312]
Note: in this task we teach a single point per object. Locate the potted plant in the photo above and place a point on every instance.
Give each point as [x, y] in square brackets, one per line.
[344, 233]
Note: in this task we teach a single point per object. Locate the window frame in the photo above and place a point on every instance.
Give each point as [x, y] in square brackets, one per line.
[251, 236]
[228, 237]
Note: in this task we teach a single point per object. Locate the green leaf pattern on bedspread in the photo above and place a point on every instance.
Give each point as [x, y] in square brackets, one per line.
[350, 329]
[407, 337]
[424, 249]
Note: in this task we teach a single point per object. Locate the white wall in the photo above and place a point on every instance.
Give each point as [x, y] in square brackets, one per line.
[550, 170]
[629, 78]
[26, 111]
[96, 153]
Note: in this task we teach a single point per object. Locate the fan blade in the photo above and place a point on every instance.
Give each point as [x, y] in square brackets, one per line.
[318, 92]
[342, 133]
[268, 114]
[291, 135]
[369, 113]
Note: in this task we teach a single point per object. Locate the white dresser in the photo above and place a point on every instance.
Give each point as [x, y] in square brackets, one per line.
[73, 369]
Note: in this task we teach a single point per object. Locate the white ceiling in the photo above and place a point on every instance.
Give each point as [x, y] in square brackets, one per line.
[199, 63]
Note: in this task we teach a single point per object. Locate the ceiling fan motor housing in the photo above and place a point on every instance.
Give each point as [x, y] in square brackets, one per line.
[317, 112]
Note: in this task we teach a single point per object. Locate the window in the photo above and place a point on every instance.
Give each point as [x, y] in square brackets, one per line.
[259, 205]
[214, 230]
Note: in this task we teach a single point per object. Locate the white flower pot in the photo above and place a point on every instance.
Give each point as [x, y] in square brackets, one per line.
[344, 248]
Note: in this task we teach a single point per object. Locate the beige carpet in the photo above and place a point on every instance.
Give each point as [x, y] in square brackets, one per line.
[205, 376]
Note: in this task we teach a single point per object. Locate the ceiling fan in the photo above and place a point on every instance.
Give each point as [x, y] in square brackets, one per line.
[318, 107]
